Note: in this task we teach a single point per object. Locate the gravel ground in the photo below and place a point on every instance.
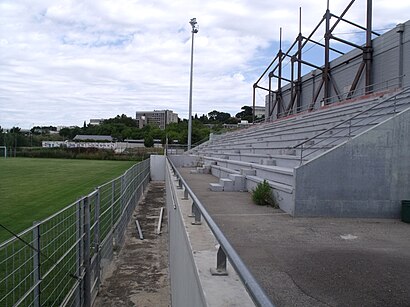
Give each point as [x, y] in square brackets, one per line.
[140, 271]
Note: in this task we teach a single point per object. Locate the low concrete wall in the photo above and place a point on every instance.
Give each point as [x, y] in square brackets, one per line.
[365, 177]
[185, 286]
[192, 253]
[157, 167]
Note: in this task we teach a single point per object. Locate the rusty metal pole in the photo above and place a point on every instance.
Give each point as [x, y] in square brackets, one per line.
[326, 70]
[299, 57]
[279, 94]
[270, 95]
[253, 103]
[368, 51]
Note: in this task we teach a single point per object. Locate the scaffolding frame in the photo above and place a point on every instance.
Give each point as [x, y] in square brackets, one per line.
[275, 97]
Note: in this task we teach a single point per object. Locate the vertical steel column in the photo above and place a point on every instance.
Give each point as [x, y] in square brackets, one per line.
[36, 265]
[253, 103]
[326, 70]
[87, 262]
[368, 50]
[270, 94]
[279, 93]
[400, 30]
[299, 57]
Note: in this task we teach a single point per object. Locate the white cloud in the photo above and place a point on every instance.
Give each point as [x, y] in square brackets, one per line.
[63, 62]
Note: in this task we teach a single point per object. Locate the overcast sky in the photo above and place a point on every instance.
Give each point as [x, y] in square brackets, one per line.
[64, 62]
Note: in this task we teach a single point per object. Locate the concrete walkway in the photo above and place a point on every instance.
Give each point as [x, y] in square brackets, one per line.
[140, 270]
[313, 261]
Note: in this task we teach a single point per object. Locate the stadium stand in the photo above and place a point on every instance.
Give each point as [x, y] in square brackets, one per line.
[277, 150]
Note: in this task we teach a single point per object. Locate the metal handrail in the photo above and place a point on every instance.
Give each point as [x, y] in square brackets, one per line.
[405, 90]
[380, 86]
[257, 294]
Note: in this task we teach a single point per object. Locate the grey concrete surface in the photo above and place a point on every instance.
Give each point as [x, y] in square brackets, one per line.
[365, 177]
[313, 261]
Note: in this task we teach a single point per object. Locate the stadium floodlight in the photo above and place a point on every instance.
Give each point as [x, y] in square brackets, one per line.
[194, 30]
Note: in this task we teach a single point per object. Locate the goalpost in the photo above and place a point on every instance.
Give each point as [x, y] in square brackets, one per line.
[5, 151]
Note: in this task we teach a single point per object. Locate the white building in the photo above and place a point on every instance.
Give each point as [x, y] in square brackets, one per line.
[259, 111]
[160, 118]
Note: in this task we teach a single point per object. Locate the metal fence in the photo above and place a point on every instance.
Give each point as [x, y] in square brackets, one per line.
[60, 260]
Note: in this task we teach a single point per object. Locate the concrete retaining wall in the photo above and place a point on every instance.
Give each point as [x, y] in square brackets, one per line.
[157, 167]
[365, 177]
[186, 289]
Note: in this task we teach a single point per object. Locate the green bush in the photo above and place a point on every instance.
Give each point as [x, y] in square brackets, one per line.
[262, 195]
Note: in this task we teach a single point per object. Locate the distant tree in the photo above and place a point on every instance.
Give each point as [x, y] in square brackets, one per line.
[219, 117]
[246, 114]
[148, 141]
[232, 121]
[65, 132]
[213, 115]
[204, 119]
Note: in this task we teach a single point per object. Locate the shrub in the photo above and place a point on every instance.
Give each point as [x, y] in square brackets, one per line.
[148, 141]
[262, 195]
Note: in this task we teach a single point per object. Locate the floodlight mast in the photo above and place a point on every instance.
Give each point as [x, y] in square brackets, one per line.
[194, 30]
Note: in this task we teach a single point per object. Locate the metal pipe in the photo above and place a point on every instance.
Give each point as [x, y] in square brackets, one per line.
[139, 230]
[341, 16]
[322, 45]
[160, 221]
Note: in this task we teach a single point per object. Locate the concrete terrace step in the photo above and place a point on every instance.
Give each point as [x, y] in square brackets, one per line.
[275, 173]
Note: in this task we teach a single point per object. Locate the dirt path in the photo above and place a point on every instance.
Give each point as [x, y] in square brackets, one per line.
[140, 275]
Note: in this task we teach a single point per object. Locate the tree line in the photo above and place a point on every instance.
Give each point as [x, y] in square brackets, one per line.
[123, 128]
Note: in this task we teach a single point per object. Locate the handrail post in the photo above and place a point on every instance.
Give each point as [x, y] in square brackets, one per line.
[192, 214]
[179, 183]
[185, 194]
[220, 263]
[197, 214]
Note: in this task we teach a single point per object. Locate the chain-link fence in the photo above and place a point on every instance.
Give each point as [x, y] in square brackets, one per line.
[60, 260]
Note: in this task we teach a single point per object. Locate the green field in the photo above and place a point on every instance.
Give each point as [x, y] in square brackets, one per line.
[33, 189]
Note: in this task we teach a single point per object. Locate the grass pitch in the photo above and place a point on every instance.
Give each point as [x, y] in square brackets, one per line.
[33, 189]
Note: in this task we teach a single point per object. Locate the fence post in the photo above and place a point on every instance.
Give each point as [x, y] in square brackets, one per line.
[80, 251]
[36, 264]
[122, 192]
[112, 203]
[87, 264]
[97, 249]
